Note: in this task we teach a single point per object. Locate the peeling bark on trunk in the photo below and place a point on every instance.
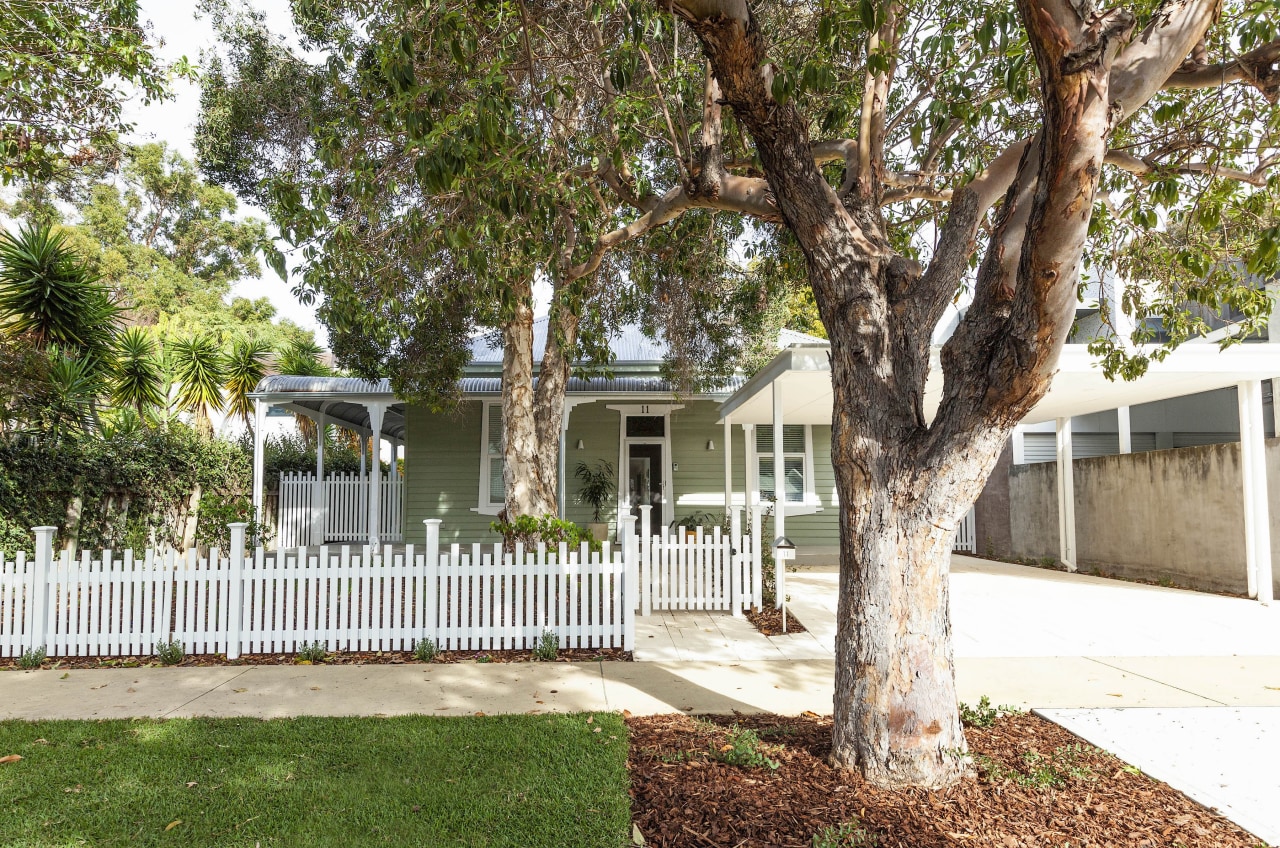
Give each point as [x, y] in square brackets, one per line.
[905, 482]
[533, 409]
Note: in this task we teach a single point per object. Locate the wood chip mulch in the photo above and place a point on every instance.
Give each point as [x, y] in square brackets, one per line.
[338, 658]
[769, 621]
[683, 796]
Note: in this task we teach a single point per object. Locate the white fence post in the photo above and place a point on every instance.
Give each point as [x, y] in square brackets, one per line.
[630, 601]
[757, 566]
[645, 585]
[432, 578]
[235, 601]
[38, 627]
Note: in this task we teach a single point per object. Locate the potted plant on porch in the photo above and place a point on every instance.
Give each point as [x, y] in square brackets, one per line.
[598, 488]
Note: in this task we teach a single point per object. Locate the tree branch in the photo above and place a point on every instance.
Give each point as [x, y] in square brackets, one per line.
[1260, 67]
[1145, 167]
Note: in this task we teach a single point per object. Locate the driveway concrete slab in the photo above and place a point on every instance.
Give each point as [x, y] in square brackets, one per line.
[1223, 757]
[1027, 682]
[1230, 681]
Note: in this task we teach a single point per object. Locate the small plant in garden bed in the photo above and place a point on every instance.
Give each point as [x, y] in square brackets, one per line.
[425, 650]
[548, 647]
[32, 658]
[851, 834]
[984, 715]
[1042, 772]
[311, 652]
[744, 749]
[170, 652]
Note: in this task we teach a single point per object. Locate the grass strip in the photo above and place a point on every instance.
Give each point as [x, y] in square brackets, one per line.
[545, 780]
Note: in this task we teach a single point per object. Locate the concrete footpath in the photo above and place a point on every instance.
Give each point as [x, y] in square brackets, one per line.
[643, 688]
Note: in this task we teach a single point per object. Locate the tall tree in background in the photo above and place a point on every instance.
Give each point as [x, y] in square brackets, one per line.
[69, 65]
[445, 159]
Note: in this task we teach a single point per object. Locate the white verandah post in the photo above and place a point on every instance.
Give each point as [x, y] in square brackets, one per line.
[319, 501]
[376, 412]
[259, 418]
[779, 493]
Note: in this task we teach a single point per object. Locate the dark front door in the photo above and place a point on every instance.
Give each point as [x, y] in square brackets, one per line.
[644, 479]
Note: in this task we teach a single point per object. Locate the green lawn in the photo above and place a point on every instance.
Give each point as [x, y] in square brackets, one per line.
[418, 781]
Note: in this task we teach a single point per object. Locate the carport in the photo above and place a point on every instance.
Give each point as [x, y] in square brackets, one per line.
[795, 388]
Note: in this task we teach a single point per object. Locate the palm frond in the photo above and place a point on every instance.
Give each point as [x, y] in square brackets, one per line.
[200, 370]
[138, 378]
[246, 366]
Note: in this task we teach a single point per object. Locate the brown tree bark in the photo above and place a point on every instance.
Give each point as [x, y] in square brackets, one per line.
[533, 406]
[905, 482]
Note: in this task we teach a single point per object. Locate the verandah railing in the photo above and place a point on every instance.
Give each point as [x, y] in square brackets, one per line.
[340, 514]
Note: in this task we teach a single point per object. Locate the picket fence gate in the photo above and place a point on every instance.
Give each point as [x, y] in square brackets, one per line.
[464, 598]
[341, 514]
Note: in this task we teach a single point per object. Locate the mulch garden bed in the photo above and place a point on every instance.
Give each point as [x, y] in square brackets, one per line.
[769, 621]
[1034, 784]
[338, 658]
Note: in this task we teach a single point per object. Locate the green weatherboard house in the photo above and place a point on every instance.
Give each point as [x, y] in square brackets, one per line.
[667, 449]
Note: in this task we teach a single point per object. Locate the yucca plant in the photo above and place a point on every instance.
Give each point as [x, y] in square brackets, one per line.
[138, 378]
[200, 370]
[76, 382]
[246, 366]
[302, 358]
[49, 295]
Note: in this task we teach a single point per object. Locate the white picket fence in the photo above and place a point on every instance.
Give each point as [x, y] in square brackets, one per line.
[342, 513]
[465, 598]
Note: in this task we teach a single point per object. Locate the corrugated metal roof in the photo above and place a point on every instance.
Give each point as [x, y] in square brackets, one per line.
[629, 345]
[315, 385]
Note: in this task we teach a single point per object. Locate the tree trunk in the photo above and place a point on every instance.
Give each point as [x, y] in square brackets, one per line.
[533, 416]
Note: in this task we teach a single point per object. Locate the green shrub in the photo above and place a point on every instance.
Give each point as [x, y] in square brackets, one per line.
[1042, 772]
[548, 647]
[170, 652]
[311, 652]
[548, 529]
[744, 749]
[32, 658]
[425, 650]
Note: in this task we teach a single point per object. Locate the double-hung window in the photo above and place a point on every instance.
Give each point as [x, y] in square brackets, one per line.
[797, 465]
[492, 489]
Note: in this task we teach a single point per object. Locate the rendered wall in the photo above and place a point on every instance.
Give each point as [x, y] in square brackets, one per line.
[1172, 514]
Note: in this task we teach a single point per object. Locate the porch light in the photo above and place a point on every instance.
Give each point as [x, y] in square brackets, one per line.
[581, 446]
[711, 444]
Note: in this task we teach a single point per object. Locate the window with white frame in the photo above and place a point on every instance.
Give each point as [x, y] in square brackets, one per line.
[797, 462]
[492, 488]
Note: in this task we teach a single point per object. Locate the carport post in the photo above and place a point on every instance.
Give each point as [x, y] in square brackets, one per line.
[1066, 497]
[1124, 429]
[728, 467]
[1253, 467]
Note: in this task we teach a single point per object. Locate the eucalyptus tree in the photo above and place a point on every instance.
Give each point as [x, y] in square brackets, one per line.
[443, 160]
[69, 66]
[890, 138]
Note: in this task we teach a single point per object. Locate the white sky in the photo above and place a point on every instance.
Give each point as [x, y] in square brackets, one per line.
[175, 23]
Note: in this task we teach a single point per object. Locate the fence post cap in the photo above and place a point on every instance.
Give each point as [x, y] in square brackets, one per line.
[45, 528]
[433, 521]
[237, 524]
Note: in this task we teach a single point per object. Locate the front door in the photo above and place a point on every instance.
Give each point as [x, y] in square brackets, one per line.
[644, 479]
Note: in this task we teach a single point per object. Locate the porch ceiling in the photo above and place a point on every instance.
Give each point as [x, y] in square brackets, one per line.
[1079, 387]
